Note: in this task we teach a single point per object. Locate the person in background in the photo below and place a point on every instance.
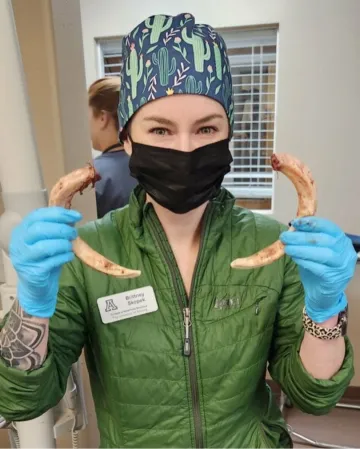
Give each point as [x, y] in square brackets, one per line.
[116, 184]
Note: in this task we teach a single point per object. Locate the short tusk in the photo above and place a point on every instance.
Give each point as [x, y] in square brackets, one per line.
[61, 195]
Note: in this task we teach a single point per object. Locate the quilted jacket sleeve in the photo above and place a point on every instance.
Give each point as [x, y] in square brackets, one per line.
[27, 395]
[310, 395]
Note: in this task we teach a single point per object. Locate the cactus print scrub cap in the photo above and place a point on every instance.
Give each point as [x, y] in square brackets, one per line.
[167, 55]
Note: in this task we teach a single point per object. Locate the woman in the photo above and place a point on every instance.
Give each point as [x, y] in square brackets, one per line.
[114, 189]
[188, 368]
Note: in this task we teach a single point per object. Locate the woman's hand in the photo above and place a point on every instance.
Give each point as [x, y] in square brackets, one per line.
[40, 245]
[326, 260]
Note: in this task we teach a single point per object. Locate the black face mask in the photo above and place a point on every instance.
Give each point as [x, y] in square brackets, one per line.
[177, 180]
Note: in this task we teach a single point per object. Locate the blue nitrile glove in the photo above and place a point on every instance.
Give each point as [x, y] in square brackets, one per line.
[39, 246]
[326, 260]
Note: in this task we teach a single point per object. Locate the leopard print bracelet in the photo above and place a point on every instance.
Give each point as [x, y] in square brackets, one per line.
[325, 333]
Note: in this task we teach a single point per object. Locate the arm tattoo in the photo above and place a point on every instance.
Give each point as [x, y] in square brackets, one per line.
[22, 339]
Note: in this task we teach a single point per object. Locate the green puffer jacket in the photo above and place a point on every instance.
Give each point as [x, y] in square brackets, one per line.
[146, 392]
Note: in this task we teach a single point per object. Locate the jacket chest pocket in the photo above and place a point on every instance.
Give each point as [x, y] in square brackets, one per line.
[221, 302]
[227, 315]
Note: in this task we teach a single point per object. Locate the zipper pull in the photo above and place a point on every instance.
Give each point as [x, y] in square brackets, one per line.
[257, 308]
[187, 324]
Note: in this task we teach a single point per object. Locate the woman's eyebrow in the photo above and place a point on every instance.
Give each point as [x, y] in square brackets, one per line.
[159, 120]
[165, 121]
[208, 118]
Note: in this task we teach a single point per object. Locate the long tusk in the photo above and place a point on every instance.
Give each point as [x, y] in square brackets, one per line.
[300, 175]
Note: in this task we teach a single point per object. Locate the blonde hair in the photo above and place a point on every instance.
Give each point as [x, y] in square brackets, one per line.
[104, 96]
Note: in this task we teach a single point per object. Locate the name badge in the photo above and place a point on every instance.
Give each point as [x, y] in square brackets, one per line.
[127, 305]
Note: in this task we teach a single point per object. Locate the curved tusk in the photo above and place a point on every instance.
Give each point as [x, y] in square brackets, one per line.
[61, 195]
[300, 175]
[99, 263]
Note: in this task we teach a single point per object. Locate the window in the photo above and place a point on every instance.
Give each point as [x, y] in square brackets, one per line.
[252, 55]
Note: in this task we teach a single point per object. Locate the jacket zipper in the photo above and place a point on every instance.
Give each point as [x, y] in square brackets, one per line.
[188, 347]
[199, 439]
[187, 324]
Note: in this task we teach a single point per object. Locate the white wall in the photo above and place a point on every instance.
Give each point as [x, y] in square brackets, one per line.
[318, 93]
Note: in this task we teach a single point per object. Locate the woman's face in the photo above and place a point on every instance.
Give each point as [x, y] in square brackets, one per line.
[180, 122]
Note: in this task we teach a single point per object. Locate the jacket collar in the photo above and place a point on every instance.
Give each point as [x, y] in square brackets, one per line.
[139, 210]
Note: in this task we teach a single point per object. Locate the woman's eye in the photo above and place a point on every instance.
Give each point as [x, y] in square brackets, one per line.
[159, 131]
[207, 130]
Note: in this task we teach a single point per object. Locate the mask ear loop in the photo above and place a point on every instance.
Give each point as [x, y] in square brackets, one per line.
[127, 135]
[124, 134]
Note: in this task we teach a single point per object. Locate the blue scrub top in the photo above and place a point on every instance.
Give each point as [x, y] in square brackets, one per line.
[116, 184]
